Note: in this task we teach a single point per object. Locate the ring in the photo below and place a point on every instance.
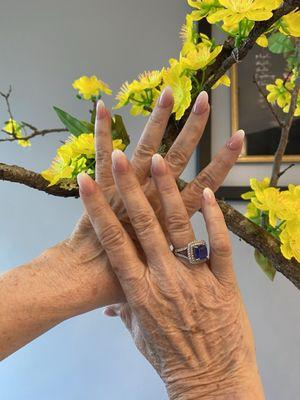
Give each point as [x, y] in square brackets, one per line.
[195, 252]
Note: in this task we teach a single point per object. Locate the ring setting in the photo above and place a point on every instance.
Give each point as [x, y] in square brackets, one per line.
[195, 252]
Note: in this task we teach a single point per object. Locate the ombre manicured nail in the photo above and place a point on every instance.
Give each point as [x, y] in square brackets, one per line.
[166, 97]
[201, 103]
[85, 183]
[208, 195]
[101, 110]
[236, 140]
[119, 161]
[158, 165]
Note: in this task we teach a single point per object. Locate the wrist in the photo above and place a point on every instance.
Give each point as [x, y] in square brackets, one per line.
[81, 283]
[240, 386]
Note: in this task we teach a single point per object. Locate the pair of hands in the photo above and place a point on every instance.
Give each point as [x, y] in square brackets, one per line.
[87, 261]
[190, 323]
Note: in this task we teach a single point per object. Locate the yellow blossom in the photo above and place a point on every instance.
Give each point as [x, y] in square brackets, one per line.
[75, 156]
[203, 8]
[290, 240]
[181, 86]
[189, 35]
[224, 80]
[89, 87]
[15, 129]
[256, 186]
[200, 57]
[279, 92]
[234, 11]
[268, 200]
[291, 24]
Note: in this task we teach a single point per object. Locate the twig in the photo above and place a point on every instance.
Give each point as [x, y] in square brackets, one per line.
[33, 134]
[6, 98]
[273, 111]
[285, 170]
[284, 138]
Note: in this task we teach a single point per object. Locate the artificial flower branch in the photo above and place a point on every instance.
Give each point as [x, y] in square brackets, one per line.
[241, 226]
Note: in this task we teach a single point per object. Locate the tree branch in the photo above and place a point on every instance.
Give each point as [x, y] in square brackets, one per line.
[35, 133]
[284, 138]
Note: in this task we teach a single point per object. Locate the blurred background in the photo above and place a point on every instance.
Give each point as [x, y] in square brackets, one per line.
[45, 45]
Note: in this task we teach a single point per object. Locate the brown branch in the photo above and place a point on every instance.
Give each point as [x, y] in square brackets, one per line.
[284, 138]
[229, 56]
[33, 134]
[254, 235]
[13, 173]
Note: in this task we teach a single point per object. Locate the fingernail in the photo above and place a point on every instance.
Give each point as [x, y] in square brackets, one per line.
[101, 110]
[85, 183]
[201, 103]
[236, 140]
[119, 161]
[209, 196]
[158, 165]
[166, 98]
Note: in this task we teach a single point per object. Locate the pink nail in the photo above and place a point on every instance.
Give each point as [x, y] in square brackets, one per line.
[208, 195]
[119, 161]
[166, 97]
[86, 184]
[101, 110]
[201, 103]
[158, 165]
[236, 141]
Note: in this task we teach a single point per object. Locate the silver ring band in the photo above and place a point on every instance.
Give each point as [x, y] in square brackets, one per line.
[195, 252]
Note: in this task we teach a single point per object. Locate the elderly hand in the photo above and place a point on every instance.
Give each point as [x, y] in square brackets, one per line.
[188, 320]
[93, 279]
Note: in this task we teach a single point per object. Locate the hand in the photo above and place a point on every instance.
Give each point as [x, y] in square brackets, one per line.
[188, 320]
[93, 280]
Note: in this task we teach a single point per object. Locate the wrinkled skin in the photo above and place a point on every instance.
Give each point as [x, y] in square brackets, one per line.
[188, 321]
[83, 247]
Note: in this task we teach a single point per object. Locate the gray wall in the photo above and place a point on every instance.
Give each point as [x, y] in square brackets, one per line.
[44, 46]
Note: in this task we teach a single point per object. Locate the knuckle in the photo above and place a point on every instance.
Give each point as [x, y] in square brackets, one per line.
[143, 222]
[156, 119]
[112, 237]
[220, 245]
[177, 222]
[177, 157]
[102, 156]
[144, 151]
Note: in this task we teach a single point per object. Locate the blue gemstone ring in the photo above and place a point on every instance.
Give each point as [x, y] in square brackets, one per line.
[195, 252]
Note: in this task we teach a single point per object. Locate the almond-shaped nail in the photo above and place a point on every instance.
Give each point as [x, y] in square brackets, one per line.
[101, 110]
[209, 196]
[119, 161]
[201, 103]
[236, 140]
[86, 184]
[166, 98]
[158, 165]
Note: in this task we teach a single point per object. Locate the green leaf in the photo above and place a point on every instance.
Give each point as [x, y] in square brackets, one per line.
[119, 130]
[280, 43]
[74, 125]
[265, 265]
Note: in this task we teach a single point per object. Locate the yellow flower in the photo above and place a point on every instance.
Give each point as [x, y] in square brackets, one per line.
[224, 80]
[268, 200]
[252, 211]
[75, 156]
[200, 57]
[15, 129]
[189, 35]
[291, 24]
[280, 92]
[235, 11]
[256, 186]
[89, 87]
[289, 203]
[290, 240]
[141, 93]
[203, 8]
[181, 86]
